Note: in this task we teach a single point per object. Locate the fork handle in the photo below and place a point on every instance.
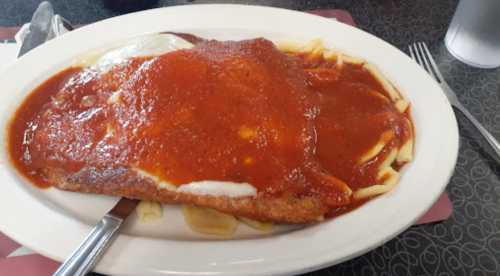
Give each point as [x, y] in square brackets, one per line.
[85, 257]
[486, 134]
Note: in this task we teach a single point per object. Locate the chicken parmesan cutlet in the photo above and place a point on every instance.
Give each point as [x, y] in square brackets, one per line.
[282, 134]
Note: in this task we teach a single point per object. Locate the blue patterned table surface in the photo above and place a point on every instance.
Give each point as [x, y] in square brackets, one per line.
[466, 244]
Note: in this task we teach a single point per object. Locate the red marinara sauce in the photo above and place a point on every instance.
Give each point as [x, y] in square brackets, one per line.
[229, 111]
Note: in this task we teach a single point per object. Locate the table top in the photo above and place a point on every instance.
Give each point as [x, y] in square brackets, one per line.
[466, 244]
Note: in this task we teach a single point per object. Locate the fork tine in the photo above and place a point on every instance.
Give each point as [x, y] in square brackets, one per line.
[434, 66]
[412, 55]
[417, 55]
[425, 57]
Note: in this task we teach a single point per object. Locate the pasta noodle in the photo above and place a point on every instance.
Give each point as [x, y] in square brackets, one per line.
[352, 60]
[375, 150]
[390, 180]
[314, 47]
[340, 61]
[330, 54]
[393, 94]
[389, 159]
[406, 151]
[149, 211]
[289, 46]
[401, 105]
[209, 221]
[379, 95]
[258, 225]
[386, 173]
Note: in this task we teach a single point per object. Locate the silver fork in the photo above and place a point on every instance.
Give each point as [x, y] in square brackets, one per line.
[421, 54]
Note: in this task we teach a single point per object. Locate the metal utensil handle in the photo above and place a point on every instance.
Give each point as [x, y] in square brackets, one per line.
[90, 250]
[486, 134]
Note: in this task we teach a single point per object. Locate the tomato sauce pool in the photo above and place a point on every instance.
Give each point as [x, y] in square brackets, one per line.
[228, 111]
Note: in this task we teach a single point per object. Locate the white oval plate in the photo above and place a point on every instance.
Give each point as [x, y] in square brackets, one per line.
[54, 222]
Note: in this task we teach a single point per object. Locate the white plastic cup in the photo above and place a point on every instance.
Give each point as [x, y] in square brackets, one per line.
[473, 36]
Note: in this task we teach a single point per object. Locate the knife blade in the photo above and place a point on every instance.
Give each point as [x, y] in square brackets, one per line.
[123, 208]
[89, 252]
[38, 29]
[59, 26]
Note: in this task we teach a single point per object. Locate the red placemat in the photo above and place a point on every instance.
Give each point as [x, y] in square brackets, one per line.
[8, 32]
[35, 264]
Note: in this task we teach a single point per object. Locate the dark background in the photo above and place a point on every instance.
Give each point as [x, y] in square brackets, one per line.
[466, 244]
[398, 22]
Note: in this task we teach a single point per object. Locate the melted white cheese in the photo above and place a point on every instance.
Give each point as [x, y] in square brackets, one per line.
[207, 187]
[218, 188]
[144, 46]
[114, 98]
[160, 183]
